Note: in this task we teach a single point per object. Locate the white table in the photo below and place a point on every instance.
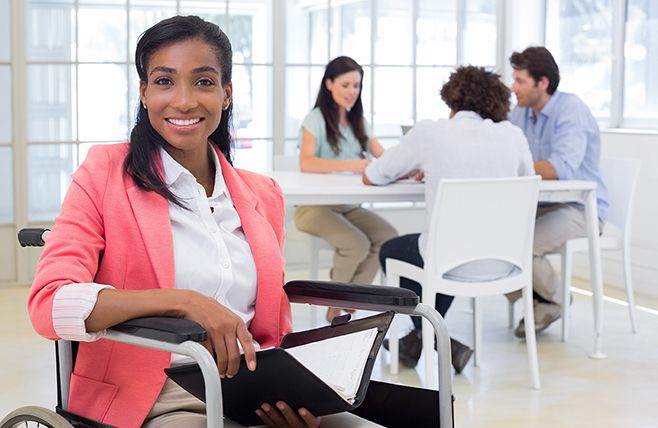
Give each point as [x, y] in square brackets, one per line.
[326, 189]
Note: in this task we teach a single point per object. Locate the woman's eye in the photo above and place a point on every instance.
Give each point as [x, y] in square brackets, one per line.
[205, 82]
[163, 81]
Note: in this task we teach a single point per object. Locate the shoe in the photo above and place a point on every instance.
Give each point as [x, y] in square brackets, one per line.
[410, 348]
[460, 354]
[545, 315]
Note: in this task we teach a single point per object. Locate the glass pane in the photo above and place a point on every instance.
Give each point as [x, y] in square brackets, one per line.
[6, 186]
[5, 104]
[351, 30]
[210, 10]
[578, 34]
[253, 155]
[50, 30]
[103, 101]
[307, 32]
[4, 30]
[394, 40]
[429, 104]
[250, 31]
[102, 31]
[133, 91]
[480, 32]
[366, 93]
[51, 103]
[49, 169]
[144, 14]
[393, 100]
[641, 54]
[302, 85]
[436, 30]
[252, 100]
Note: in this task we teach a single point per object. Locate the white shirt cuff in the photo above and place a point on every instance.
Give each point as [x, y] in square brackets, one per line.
[71, 306]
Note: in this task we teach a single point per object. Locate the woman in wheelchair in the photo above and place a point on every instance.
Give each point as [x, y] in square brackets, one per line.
[164, 225]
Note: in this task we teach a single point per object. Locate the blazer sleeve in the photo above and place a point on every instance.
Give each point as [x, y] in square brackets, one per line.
[75, 245]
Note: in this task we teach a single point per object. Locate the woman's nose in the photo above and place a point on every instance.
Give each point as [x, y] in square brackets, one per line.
[184, 99]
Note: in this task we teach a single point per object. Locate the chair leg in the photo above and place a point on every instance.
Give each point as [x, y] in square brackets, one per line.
[477, 331]
[313, 273]
[567, 259]
[530, 338]
[510, 314]
[630, 298]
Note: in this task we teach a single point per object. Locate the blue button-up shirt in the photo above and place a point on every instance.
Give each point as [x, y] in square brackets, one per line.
[565, 134]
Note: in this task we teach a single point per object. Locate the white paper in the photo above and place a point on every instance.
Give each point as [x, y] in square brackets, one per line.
[338, 361]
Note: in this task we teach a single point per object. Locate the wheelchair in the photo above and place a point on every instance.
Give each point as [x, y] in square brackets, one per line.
[184, 336]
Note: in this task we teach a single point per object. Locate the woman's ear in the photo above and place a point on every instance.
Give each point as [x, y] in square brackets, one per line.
[142, 92]
[329, 84]
[228, 95]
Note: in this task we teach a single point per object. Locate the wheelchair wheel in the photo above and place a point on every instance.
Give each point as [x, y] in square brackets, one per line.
[33, 417]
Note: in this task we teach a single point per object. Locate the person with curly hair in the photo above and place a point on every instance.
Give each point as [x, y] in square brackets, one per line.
[475, 142]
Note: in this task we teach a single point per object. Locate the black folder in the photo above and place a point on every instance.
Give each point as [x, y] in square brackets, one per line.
[279, 376]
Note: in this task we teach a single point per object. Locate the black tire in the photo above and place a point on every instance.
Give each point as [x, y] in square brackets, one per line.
[39, 416]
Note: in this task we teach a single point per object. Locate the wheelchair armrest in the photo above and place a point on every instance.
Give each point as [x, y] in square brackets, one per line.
[32, 237]
[166, 329]
[318, 291]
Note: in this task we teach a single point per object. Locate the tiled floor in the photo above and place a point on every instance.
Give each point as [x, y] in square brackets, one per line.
[620, 391]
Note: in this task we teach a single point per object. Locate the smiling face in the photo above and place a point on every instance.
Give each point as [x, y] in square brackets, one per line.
[345, 88]
[184, 96]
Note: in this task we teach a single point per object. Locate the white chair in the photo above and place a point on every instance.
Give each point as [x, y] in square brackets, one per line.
[620, 177]
[475, 220]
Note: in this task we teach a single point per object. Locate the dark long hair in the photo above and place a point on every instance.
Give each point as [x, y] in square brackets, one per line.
[144, 139]
[329, 108]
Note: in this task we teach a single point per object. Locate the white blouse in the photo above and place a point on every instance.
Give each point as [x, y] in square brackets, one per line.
[211, 255]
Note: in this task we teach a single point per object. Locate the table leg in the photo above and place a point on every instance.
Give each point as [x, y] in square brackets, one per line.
[596, 276]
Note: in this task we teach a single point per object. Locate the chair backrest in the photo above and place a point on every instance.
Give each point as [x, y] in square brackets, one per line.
[482, 219]
[620, 177]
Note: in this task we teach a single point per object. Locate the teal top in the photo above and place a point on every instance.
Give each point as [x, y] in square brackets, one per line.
[349, 145]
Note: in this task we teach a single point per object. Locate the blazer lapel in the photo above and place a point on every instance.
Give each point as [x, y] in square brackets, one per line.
[151, 213]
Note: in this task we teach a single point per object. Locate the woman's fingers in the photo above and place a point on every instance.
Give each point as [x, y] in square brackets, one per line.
[309, 419]
[232, 354]
[221, 354]
[247, 346]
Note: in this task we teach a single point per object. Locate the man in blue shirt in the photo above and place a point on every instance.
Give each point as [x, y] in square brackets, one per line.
[565, 144]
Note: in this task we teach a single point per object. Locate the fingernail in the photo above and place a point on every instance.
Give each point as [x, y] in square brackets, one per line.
[279, 405]
[302, 412]
[251, 365]
[266, 407]
[259, 412]
[229, 376]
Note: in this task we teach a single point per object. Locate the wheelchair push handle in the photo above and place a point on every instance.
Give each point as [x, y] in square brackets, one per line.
[33, 237]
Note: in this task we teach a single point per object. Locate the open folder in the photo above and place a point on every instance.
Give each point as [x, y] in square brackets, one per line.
[326, 370]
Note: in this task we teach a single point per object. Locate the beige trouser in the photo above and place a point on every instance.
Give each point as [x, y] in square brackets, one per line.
[555, 224]
[356, 233]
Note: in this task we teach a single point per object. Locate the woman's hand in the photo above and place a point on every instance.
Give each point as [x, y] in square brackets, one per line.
[224, 329]
[416, 174]
[357, 165]
[282, 416]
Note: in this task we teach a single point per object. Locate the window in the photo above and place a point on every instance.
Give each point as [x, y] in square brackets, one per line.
[79, 52]
[407, 49]
[641, 63]
[6, 117]
[579, 35]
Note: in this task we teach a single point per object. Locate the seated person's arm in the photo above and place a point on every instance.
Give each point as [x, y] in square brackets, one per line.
[376, 149]
[401, 161]
[309, 162]
[545, 169]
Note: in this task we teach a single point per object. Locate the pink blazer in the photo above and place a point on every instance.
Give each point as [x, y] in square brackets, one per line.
[111, 232]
